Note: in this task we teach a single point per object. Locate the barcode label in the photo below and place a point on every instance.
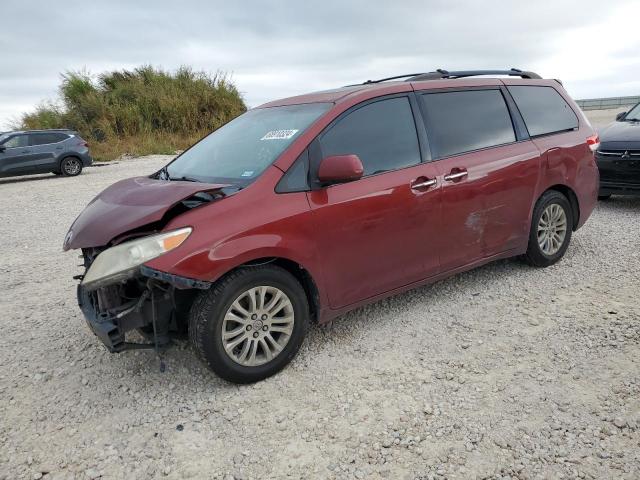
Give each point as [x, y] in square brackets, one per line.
[279, 134]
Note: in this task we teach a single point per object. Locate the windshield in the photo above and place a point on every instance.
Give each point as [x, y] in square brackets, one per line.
[634, 113]
[239, 152]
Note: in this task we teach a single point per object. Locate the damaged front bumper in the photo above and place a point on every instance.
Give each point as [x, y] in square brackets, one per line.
[153, 302]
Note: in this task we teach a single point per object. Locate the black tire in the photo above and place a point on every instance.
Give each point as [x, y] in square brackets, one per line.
[535, 256]
[604, 197]
[71, 166]
[210, 307]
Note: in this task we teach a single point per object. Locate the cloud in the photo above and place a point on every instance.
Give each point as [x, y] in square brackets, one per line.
[277, 48]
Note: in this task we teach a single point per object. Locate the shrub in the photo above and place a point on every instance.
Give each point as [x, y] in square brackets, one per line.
[143, 111]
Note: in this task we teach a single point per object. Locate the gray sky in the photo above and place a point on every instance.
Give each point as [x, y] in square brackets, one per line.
[274, 49]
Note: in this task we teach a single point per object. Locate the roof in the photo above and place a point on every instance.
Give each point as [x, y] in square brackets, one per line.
[438, 79]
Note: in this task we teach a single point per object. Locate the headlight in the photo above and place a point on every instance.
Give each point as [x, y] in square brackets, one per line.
[119, 262]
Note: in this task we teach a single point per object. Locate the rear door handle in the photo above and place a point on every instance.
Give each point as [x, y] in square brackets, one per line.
[456, 174]
[422, 183]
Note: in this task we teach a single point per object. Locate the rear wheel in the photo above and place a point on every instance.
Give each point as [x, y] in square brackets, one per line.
[551, 227]
[251, 324]
[71, 166]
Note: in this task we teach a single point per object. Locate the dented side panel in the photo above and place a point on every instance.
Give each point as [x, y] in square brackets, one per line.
[487, 213]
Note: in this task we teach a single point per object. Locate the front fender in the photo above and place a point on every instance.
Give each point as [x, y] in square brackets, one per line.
[241, 229]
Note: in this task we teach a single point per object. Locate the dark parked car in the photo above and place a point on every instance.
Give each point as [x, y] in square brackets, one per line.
[618, 156]
[62, 152]
[307, 207]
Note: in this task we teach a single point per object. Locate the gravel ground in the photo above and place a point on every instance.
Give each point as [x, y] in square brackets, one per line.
[502, 372]
[601, 118]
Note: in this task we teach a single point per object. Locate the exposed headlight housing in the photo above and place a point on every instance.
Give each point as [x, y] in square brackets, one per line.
[120, 262]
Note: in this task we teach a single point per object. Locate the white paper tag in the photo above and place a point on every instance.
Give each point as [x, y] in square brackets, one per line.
[279, 134]
[247, 173]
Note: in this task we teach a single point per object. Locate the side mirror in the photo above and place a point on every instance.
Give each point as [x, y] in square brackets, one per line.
[620, 116]
[340, 169]
[2, 148]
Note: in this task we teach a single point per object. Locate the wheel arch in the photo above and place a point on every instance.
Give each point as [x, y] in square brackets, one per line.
[66, 155]
[298, 271]
[573, 201]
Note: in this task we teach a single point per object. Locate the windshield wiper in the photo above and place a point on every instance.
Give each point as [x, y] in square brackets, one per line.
[184, 179]
[163, 174]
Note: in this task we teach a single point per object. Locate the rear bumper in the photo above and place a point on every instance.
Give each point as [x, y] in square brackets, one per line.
[87, 160]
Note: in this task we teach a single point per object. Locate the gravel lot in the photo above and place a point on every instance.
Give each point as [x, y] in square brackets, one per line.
[502, 372]
[602, 118]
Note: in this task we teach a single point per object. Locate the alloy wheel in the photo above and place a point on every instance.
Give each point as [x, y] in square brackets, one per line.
[72, 166]
[552, 229]
[257, 326]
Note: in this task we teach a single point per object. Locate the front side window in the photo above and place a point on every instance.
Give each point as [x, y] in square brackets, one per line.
[469, 120]
[15, 141]
[383, 134]
[241, 150]
[543, 109]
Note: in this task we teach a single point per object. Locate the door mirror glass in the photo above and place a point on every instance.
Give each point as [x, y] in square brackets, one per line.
[340, 169]
[620, 116]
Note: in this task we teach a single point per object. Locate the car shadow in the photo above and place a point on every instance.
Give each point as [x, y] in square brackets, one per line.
[45, 176]
[28, 178]
[620, 202]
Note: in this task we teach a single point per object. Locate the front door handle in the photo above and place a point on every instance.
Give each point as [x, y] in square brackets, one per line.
[455, 175]
[422, 183]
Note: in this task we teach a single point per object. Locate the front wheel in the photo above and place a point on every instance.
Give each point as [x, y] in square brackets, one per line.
[250, 324]
[551, 226]
[71, 166]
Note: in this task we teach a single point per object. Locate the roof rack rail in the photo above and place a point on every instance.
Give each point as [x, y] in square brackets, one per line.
[441, 74]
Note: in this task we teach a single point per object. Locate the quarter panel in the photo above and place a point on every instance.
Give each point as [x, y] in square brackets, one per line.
[568, 160]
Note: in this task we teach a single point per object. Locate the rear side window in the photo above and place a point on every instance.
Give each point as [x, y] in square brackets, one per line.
[543, 110]
[16, 141]
[383, 134]
[464, 121]
[45, 138]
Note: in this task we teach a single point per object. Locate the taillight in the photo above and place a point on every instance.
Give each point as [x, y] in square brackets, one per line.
[594, 142]
[83, 144]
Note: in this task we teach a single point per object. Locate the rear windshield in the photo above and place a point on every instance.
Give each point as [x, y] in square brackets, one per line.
[242, 149]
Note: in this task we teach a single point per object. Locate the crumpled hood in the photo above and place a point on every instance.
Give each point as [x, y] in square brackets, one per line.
[126, 205]
[620, 132]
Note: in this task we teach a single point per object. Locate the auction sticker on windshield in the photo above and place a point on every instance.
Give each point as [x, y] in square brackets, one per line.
[279, 134]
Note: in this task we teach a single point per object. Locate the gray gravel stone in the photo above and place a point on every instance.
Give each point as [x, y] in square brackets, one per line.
[435, 383]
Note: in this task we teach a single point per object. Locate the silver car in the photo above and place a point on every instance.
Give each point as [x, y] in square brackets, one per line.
[62, 152]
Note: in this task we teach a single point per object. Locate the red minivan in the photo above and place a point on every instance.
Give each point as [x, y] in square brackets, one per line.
[304, 208]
